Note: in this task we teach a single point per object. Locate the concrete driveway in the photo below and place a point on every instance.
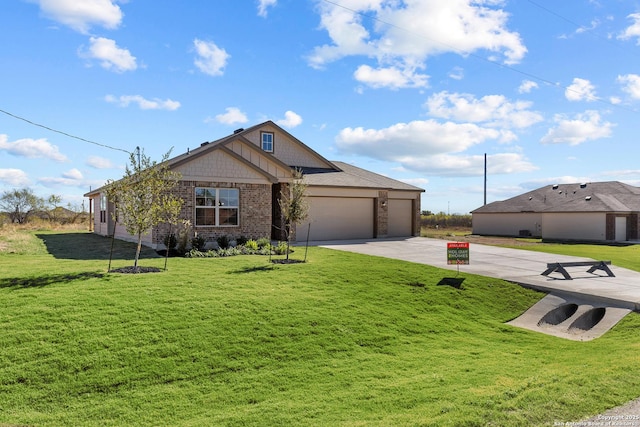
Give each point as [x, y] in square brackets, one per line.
[514, 265]
[587, 292]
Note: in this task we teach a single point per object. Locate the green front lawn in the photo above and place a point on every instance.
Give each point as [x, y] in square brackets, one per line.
[344, 339]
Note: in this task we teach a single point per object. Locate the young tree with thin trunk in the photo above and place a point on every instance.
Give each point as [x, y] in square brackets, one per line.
[293, 204]
[143, 195]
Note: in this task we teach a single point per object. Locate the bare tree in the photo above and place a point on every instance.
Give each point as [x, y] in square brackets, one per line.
[143, 195]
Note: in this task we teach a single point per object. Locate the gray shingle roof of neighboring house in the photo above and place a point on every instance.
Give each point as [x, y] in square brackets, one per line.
[352, 176]
[610, 196]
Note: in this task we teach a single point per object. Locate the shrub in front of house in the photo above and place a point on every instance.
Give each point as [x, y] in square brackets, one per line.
[223, 242]
[198, 243]
[251, 245]
[281, 249]
[263, 242]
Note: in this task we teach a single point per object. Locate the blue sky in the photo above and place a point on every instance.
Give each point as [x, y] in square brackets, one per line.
[418, 90]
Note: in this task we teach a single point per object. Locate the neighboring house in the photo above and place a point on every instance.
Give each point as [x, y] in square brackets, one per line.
[598, 211]
[232, 186]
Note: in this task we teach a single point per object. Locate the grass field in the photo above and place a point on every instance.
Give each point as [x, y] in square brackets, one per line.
[342, 340]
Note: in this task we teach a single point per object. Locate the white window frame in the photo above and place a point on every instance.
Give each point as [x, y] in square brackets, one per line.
[267, 145]
[218, 200]
[103, 208]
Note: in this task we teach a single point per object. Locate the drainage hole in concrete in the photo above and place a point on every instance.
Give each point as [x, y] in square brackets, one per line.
[588, 319]
[558, 315]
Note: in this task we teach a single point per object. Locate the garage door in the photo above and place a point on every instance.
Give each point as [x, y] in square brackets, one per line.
[400, 218]
[337, 218]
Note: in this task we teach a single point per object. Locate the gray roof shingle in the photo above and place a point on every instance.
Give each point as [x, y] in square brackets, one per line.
[352, 176]
[610, 196]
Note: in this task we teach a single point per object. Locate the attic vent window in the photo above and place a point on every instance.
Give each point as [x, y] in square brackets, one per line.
[555, 186]
[587, 198]
[266, 139]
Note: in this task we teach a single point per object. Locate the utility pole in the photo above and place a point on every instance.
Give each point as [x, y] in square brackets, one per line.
[138, 152]
[485, 178]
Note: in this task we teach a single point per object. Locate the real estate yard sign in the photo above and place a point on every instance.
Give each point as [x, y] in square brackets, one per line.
[458, 253]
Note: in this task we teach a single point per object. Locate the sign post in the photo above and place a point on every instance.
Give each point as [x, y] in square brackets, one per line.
[457, 253]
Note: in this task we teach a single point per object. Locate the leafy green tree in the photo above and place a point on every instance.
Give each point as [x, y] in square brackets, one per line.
[143, 196]
[293, 204]
[170, 208]
[20, 204]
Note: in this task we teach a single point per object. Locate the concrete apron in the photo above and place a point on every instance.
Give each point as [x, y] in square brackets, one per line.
[570, 317]
[580, 309]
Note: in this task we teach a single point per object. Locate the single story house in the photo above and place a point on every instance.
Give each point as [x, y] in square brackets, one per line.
[231, 187]
[598, 211]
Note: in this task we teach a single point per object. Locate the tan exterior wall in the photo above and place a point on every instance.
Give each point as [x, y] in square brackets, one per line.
[359, 213]
[286, 149]
[260, 159]
[507, 224]
[341, 192]
[574, 226]
[218, 166]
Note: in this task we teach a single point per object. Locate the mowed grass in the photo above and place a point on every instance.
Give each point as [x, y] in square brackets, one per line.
[342, 340]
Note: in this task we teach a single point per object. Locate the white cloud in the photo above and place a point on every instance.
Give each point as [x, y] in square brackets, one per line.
[417, 31]
[584, 127]
[461, 165]
[416, 138]
[97, 162]
[111, 57]
[14, 177]
[72, 177]
[232, 116]
[32, 148]
[143, 104]
[418, 182]
[580, 90]
[263, 5]
[456, 73]
[491, 110]
[74, 174]
[81, 15]
[391, 77]
[631, 84]
[526, 86]
[210, 59]
[633, 31]
[290, 120]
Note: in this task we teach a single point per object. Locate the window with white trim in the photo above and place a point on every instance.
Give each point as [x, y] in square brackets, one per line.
[103, 208]
[217, 206]
[267, 141]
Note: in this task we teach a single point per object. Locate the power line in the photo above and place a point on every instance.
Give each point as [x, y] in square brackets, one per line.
[62, 133]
